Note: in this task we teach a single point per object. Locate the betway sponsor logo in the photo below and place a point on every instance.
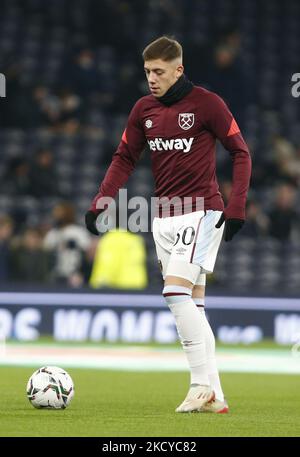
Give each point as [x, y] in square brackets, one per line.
[179, 144]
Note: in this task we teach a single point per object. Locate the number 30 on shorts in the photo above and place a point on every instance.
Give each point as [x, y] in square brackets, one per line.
[187, 236]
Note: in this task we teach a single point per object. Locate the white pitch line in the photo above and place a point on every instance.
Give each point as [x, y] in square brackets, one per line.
[147, 358]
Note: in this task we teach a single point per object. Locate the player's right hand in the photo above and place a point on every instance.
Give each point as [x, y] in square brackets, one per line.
[90, 222]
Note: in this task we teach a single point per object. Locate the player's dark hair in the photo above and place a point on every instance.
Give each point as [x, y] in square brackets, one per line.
[164, 48]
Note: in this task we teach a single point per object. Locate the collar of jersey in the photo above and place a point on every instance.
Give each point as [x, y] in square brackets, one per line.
[179, 90]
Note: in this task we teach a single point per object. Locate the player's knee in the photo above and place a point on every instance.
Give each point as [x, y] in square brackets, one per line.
[177, 289]
[176, 294]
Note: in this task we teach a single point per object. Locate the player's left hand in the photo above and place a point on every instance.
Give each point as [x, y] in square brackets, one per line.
[232, 226]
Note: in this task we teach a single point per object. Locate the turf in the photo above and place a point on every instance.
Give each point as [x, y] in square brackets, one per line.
[142, 404]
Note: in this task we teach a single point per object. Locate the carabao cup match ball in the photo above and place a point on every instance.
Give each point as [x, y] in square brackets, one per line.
[51, 388]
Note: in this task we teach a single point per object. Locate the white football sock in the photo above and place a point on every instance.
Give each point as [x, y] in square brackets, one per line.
[210, 344]
[190, 330]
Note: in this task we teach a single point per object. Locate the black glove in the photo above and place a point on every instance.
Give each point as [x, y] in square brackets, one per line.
[90, 222]
[232, 226]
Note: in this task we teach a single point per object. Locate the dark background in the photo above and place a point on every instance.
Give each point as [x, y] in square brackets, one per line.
[73, 71]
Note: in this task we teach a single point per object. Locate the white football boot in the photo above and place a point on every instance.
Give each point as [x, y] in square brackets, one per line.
[215, 406]
[197, 397]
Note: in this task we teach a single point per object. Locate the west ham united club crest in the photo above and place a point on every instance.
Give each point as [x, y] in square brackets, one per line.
[186, 120]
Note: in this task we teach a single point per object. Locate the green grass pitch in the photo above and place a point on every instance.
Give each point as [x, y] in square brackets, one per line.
[142, 404]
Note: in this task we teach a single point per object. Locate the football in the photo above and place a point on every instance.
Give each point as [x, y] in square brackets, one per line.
[51, 388]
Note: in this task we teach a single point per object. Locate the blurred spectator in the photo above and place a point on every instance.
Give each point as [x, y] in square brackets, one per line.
[45, 107]
[6, 232]
[120, 260]
[30, 262]
[127, 91]
[283, 218]
[43, 179]
[82, 74]
[227, 76]
[69, 243]
[16, 180]
[287, 160]
[256, 221]
[69, 111]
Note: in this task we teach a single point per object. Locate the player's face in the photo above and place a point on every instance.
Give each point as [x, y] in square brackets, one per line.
[162, 75]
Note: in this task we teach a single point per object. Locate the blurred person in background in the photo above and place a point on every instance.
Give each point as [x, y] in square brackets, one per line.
[227, 74]
[287, 160]
[44, 107]
[120, 259]
[53, 109]
[6, 234]
[257, 221]
[283, 218]
[70, 111]
[68, 242]
[43, 178]
[16, 179]
[30, 262]
[82, 74]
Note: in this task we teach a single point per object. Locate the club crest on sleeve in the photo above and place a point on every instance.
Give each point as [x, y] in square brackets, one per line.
[186, 120]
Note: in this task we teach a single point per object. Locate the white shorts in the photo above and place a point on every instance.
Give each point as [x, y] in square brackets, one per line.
[187, 245]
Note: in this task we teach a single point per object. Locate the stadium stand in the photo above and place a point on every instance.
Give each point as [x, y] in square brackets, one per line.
[73, 71]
